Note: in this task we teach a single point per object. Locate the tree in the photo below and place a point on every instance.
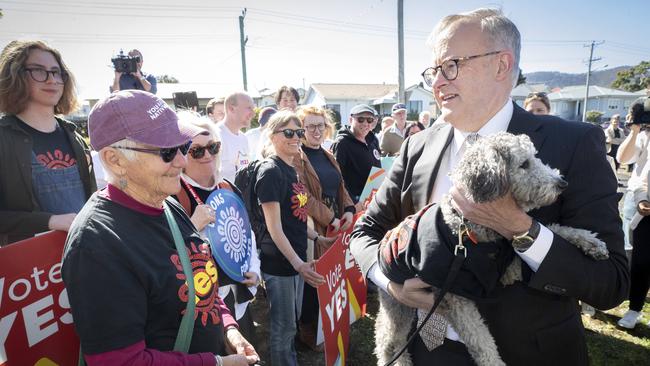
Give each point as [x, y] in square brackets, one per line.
[521, 79]
[633, 79]
[594, 116]
[168, 79]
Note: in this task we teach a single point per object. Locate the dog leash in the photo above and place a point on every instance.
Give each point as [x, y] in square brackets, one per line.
[460, 253]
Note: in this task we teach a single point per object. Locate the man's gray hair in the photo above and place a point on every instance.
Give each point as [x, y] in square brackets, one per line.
[497, 27]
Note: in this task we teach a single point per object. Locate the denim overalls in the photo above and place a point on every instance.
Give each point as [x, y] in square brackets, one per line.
[58, 191]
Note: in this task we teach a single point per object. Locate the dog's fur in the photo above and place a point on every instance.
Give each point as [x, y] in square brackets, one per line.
[489, 169]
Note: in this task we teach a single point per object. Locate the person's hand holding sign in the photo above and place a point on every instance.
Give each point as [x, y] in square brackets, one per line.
[203, 216]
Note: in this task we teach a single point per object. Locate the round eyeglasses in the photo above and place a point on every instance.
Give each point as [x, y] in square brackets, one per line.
[449, 68]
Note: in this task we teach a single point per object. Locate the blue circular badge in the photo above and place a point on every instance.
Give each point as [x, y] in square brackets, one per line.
[230, 235]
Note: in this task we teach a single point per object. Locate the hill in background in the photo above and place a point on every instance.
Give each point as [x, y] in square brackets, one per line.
[554, 79]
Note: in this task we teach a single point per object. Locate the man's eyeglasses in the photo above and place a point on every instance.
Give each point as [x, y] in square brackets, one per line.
[365, 119]
[166, 154]
[449, 68]
[312, 128]
[197, 152]
[289, 133]
[41, 75]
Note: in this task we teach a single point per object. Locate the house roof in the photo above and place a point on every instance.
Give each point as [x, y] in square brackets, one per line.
[354, 91]
[578, 92]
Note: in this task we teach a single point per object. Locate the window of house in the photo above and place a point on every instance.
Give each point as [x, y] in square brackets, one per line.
[613, 104]
[414, 106]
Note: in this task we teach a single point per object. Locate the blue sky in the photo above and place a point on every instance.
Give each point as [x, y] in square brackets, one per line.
[295, 42]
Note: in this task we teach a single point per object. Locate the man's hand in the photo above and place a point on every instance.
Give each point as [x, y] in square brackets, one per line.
[643, 208]
[413, 293]
[501, 215]
[251, 279]
[237, 342]
[346, 220]
[61, 222]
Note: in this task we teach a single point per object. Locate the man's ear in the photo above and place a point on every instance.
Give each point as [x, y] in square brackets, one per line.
[506, 62]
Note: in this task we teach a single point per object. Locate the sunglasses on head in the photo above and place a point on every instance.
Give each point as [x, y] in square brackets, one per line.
[166, 154]
[197, 152]
[537, 94]
[365, 119]
[289, 133]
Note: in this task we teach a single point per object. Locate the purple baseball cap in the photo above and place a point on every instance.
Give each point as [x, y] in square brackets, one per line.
[138, 116]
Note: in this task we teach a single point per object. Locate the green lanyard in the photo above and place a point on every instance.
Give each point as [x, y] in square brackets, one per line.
[184, 337]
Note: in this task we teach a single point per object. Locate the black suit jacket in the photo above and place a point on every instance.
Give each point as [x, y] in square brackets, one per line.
[537, 321]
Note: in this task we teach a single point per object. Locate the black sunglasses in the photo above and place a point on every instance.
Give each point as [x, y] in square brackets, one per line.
[166, 154]
[197, 152]
[537, 94]
[289, 133]
[365, 119]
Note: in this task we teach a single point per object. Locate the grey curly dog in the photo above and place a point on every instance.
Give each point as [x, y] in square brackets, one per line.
[499, 164]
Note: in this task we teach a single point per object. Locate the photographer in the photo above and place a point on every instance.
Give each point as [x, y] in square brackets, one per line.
[635, 149]
[134, 80]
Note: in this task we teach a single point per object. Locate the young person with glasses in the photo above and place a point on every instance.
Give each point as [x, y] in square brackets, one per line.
[199, 179]
[357, 150]
[123, 268]
[285, 266]
[329, 203]
[46, 175]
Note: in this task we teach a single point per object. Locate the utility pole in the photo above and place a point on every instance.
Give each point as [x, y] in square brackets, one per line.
[243, 39]
[400, 49]
[591, 59]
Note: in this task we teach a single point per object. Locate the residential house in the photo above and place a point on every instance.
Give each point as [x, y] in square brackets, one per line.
[340, 98]
[568, 101]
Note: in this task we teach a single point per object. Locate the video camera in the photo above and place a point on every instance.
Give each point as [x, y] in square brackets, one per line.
[640, 111]
[125, 63]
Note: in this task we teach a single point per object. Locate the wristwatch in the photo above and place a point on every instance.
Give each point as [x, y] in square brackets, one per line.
[522, 242]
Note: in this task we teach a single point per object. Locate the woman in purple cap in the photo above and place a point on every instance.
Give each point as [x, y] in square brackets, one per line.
[142, 283]
[46, 175]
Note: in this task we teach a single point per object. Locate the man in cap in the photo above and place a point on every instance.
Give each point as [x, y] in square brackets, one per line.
[535, 320]
[357, 150]
[392, 139]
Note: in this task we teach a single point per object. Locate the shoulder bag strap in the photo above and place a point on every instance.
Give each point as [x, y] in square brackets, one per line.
[184, 337]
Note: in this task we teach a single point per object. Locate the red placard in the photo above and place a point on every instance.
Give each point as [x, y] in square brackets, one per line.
[35, 319]
[334, 304]
[357, 287]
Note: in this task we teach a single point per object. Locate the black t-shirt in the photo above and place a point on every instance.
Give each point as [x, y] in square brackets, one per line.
[278, 182]
[329, 177]
[52, 149]
[126, 284]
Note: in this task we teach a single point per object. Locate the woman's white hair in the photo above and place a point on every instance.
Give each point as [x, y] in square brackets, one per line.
[502, 32]
[206, 124]
[130, 155]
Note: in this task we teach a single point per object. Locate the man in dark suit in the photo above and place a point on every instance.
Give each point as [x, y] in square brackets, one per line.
[537, 320]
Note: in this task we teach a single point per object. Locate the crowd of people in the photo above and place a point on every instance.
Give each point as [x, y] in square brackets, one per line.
[134, 245]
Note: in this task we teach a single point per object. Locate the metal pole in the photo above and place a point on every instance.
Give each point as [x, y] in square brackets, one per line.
[584, 107]
[243, 40]
[400, 48]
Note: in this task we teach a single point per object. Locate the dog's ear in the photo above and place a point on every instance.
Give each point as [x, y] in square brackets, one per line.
[483, 173]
